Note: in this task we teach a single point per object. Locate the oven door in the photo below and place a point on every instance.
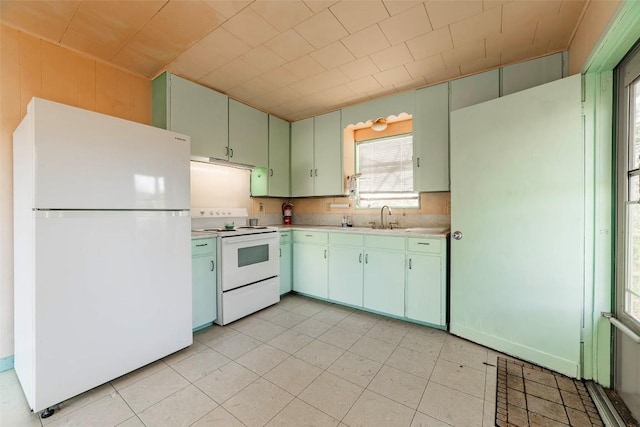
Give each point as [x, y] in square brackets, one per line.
[248, 259]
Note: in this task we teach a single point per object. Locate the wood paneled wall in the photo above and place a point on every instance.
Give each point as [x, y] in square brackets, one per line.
[30, 67]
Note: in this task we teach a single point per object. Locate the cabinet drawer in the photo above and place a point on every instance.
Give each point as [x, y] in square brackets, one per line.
[203, 246]
[300, 236]
[346, 239]
[426, 245]
[384, 242]
[285, 237]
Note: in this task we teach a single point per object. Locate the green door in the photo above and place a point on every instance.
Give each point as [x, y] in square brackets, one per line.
[302, 158]
[517, 202]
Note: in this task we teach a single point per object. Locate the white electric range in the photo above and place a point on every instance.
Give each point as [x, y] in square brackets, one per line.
[248, 261]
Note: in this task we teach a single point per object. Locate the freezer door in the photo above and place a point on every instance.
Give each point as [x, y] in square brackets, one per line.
[87, 160]
[112, 294]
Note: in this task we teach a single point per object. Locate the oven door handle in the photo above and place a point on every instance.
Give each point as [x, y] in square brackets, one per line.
[273, 237]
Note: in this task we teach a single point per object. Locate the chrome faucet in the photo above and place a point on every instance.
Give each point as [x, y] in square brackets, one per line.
[382, 216]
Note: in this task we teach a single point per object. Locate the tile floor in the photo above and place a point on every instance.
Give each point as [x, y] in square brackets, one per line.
[299, 363]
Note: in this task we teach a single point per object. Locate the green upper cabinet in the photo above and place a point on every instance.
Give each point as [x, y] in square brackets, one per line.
[316, 156]
[302, 158]
[186, 107]
[474, 89]
[535, 72]
[279, 164]
[248, 135]
[327, 151]
[431, 139]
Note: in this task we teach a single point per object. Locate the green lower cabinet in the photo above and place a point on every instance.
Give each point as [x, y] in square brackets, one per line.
[285, 267]
[310, 270]
[425, 288]
[203, 279]
[346, 275]
[384, 281]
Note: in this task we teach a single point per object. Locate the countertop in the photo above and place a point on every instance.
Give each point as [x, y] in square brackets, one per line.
[439, 232]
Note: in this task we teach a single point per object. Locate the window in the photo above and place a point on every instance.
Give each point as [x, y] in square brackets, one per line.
[386, 172]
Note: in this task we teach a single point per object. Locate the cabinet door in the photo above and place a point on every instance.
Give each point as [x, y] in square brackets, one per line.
[310, 269]
[431, 139]
[202, 114]
[531, 73]
[285, 268]
[248, 135]
[327, 150]
[425, 288]
[279, 164]
[474, 89]
[345, 275]
[384, 281]
[302, 158]
[203, 277]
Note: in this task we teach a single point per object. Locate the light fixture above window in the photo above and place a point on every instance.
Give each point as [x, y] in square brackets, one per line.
[379, 124]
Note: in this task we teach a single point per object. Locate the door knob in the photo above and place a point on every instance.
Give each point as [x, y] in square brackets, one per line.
[457, 235]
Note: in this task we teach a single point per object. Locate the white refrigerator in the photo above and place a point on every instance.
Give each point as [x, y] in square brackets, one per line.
[102, 249]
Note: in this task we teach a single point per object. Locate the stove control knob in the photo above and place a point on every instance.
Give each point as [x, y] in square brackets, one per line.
[202, 212]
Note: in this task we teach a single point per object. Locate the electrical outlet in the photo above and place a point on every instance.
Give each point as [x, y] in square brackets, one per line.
[261, 207]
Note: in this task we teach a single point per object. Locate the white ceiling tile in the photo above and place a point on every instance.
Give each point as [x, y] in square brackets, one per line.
[406, 25]
[430, 44]
[476, 27]
[366, 41]
[410, 84]
[321, 81]
[228, 8]
[521, 53]
[248, 90]
[319, 5]
[393, 76]
[356, 15]
[442, 13]
[481, 64]
[364, 85]
[263, 59]
[304, 67]
[250, 27]
[279, 96]
[395, 7]
[279, 77]
[465, 53]
[289, 45]
[232, 74]
[517, 13]
[392, 57]
[333, 55]
[359, 68]
[282, 14]
[321, 29]
[46, 18]
[506, 40]
[425, 67]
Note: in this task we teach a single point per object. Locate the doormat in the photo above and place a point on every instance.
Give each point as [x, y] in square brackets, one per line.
[528, 395]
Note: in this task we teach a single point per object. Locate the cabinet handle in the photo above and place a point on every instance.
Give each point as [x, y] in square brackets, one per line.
[325, 254]
[409, 263]
[366, 259]
[226, 151]
[213, 265]
[360, 258]
[280, 252]
[418, 161]
[202, 244]
[308, 235]
[231, 149]
[311, 173]
[424, 243]
[270, 172]
[316, 172]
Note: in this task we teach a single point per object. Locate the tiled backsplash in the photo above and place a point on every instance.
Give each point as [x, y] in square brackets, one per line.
[435, 211]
